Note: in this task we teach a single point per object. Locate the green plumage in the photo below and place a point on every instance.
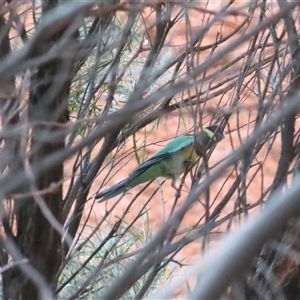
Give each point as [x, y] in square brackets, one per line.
[169, 162]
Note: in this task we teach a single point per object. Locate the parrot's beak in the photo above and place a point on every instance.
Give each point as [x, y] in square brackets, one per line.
[219, 135]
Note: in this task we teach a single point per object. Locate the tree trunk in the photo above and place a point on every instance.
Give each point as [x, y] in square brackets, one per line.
[36, 237]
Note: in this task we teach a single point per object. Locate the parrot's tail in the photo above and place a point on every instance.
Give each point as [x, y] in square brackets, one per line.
[113, 191]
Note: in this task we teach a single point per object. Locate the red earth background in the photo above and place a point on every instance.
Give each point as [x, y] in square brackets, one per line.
[159, 207]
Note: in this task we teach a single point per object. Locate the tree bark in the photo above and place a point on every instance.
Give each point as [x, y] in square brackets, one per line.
[36, 238]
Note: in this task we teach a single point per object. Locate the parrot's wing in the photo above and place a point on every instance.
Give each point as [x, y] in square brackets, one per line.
[147, 164]
[177, 144]
[125, 184]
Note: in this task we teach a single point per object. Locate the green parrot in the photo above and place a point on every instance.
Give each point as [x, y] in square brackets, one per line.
[169, 162]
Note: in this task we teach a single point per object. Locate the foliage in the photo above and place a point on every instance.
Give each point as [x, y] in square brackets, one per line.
[84, 265]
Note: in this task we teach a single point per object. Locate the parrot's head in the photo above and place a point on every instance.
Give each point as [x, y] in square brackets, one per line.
[206, 138]
[215, 132]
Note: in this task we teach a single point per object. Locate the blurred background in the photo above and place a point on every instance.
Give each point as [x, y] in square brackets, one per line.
[90, 90]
